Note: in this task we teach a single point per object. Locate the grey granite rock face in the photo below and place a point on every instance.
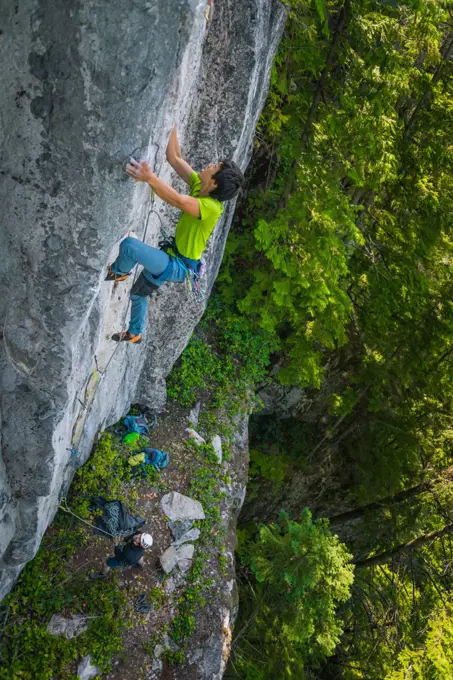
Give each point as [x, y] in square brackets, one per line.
[83, 86]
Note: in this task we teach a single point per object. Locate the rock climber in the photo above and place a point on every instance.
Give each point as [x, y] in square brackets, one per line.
[131, 554]
[201, 209]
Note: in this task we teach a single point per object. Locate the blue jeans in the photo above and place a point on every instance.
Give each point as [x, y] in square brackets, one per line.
[116, 561]
[158, 268]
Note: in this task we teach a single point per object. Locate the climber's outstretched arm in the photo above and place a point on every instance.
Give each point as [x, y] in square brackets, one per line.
[141, 172]
[175, 159]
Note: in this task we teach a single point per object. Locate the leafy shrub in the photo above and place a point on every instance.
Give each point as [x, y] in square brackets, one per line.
[228, 363]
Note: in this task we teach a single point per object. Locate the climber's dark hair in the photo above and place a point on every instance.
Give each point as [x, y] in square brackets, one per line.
[229, 180]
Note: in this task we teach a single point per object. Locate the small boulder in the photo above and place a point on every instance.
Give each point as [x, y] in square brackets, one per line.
[217, 446]
[169, 559]
[185, 554]
[158, 651]
[70, 628]
[192, 434]
[179, 528]
[85, 670]
[170, 644]
[181, 556]
[157, 666]
[175, 581]
[190, 535]
[176, 506]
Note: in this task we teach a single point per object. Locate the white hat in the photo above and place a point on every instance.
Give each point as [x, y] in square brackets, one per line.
[146, 540]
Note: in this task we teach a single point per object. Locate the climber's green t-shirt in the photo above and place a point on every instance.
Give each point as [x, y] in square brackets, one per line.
[192, 233]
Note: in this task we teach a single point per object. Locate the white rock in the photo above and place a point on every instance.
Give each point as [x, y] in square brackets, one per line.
[169, 559]
[157, 665]
[176, 506]
[186, 551]
[158, 651]
[185, 554]
[198, 439]
[70, 628]
[85, 670]
[184, 565]
[181, 556]
[170, 644]
[175, 581]
[217, 446]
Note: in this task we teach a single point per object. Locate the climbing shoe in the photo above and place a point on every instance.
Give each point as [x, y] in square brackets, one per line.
[112, 276]
[127, 337]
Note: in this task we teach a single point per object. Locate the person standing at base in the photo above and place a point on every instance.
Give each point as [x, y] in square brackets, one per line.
[131, 554]
[201, 209]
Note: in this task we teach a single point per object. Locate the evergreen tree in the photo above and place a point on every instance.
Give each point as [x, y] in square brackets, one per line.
[296, 574]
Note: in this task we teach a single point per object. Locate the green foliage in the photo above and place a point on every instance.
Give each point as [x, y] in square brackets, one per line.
[407, 603]
[49, 585]
[343, 257]
[434, 661]
[174, 658]
[198, 369]
[227, 364]
[301, 574]
[105, 473]
[266, 466]
[45, 588]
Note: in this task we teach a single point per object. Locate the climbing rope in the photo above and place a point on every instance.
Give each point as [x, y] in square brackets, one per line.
[64, 506]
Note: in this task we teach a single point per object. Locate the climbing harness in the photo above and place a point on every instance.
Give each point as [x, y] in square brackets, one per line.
[192, 277]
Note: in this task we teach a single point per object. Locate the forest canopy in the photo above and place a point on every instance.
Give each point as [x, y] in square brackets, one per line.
[341, 260]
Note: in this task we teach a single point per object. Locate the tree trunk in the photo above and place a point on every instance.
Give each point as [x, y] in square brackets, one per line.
[401, 496]
[403, 548]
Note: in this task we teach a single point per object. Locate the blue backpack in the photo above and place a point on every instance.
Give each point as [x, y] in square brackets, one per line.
[156, 458]
[136, 424]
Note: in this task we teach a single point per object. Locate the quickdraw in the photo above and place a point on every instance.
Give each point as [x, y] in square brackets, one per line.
[209, 11]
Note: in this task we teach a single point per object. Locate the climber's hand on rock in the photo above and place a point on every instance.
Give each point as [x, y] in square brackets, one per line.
[139, 170]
